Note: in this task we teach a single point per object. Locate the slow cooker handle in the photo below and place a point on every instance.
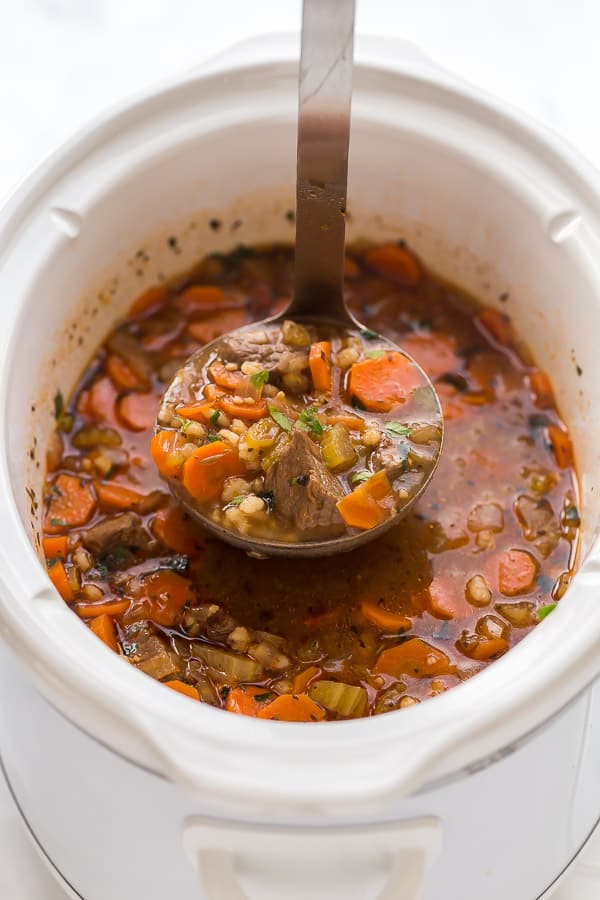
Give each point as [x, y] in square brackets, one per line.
[373, 862]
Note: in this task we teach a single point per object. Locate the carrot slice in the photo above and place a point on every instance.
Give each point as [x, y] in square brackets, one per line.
[199, 412]
[104, 627]
[489, 648]
[250, 412]
[395, 261]
[383, 618]
[154, 296]
[207, 330]
[352, 423]
[177, 530]
[137, 411]
[182, 688]
[100, 401]
[233, 381]
[160, 596]
[243, 700]
[108, 608]
[381, 384]
[562, 447]
[58, 577]
[55, 547]
[293, 708]
[413, 657]
[319, 360]
[368, 504]
[120, 374]
[116, 496]
[212, 392]
[71, 504]
[204, 297]
[541, 388]
[498, 325]
[163, 450]
[445, 602]
[205, 471]
[303, 679]
[517, 571]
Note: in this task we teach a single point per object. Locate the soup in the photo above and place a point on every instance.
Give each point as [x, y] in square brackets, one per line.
[483, 556]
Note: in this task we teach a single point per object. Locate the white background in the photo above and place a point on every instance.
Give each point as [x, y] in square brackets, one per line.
[63, 61]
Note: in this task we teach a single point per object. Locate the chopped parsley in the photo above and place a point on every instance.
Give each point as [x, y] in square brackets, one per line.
[53, 560]
[300, 480]
[544, 611]
[368, 334]
[214, 418]
[308, 421]
[357, 404]
[260, 698]
[360, 477]
[59, 523]
[185, 424]
[397, 429]
[279, 418]
[236, 500]
[259, 379]
[59, 405]
[211, 438]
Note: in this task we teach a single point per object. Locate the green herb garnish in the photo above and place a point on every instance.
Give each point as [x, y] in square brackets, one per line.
[260, 698]
[214, 418]
[397, 429]
[211, 438]
[59, 405]
[300, 480]
[374, 354]
[544, 611]
[279, 417]
[368, 334]
[185, 424]
[53, 560]
[308, 421]
[60, 523]
[360, 477]
[236, 500]
[259, 379]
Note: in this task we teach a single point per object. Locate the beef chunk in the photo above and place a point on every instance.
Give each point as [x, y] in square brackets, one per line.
[388, 458]
[124, 530]
[150, 652]
[304, 490]
[274, 357]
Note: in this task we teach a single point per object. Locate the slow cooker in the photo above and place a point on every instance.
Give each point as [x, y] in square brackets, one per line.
[488, 790]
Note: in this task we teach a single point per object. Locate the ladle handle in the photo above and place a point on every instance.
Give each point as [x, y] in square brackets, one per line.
[325, 92]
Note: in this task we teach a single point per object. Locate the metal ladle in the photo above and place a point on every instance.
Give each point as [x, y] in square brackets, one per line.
[325, 92]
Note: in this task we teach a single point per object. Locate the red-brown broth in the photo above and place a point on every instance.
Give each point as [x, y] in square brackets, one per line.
[504, 440]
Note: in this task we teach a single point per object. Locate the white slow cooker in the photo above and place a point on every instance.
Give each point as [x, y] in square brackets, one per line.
[484, 793]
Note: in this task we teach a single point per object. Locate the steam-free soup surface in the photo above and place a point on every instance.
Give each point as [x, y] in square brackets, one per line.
[484, 556]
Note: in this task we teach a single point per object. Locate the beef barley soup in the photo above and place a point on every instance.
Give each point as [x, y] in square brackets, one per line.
[483, 556]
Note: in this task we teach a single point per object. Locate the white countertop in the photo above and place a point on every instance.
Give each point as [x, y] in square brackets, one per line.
[64, 60]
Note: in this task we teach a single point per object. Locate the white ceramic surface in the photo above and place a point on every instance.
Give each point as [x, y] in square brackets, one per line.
[579, 895]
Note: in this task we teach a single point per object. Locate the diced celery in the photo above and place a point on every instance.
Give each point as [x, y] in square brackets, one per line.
[344, 699]
[337, 448]
[262, 434]
[236, 666]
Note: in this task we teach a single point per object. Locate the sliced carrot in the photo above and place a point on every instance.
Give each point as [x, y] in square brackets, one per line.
[154, 296]
[233, 381]
[435, 352]
[106, 608]
[562, 447]
[243, 700]
[104, 627]
[138, 411]
[160, 596]
[517, 571]
[293, 708]
[101, 399]
[207, 330]
[123, 378]
[352, 423]
[204, 297]
[497, 324]
[322, 620]
[71, 503]
[488, 648]
[445, 602]
[213, 393]
[385, 620]
[382, 383]
[303, 679]
[541, 388]
[59, 578]
[368, 504]
[182, 688]
[395, 261]
[249, 412]
[199, 412]
[177, 530]
[413, 657]
[54, 547]
[205, 471]
[319, 360]
[116, 496]
[164, 448]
